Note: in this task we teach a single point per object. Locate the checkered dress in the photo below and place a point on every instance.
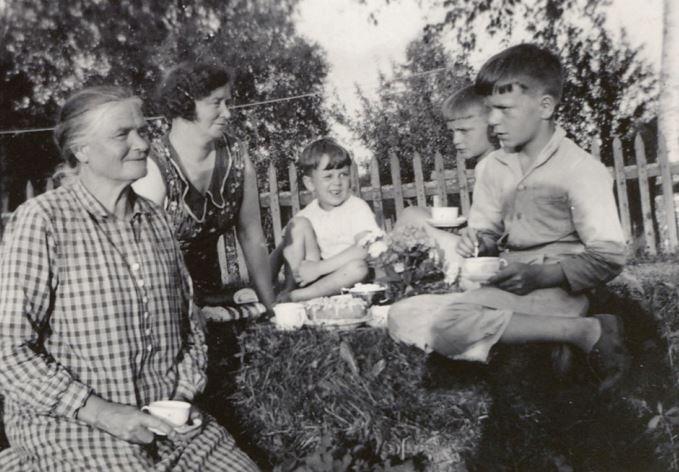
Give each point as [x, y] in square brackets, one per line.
[90, 303]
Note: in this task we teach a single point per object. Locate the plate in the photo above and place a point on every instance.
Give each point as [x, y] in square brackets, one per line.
[459, 221]
[338, 323]
[183, 429]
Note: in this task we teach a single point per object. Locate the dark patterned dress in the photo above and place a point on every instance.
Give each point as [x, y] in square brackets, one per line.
[200, 219]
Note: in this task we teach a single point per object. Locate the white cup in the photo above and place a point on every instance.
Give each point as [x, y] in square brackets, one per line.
[480, 269]
[445, 213]
[289, 315]
[174, 412]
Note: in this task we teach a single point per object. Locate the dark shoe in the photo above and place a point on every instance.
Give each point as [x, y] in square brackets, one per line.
[608, 358]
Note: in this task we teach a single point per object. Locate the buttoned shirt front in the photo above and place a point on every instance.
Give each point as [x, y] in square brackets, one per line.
[90, 303]
[561, 208]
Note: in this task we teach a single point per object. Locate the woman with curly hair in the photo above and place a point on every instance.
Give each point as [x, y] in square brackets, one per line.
[207, 184]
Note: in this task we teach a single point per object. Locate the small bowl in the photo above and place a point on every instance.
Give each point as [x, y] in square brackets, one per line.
[370, 293]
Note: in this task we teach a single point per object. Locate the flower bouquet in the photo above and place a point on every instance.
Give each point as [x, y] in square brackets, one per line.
[408, 262]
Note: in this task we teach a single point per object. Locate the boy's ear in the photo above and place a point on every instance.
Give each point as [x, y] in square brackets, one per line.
[308, 183]
[547, 107]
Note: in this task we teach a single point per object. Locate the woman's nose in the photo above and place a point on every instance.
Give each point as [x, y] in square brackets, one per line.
[224, 111]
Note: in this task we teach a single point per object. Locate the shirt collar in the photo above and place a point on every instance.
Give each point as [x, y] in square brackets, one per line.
[548, 151]
[97, 210]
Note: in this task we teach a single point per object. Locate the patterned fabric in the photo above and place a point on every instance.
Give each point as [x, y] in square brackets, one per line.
[199, 220]
[90, 303]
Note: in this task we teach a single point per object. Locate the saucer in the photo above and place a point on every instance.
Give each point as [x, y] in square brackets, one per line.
[459, 221]
[183, 429]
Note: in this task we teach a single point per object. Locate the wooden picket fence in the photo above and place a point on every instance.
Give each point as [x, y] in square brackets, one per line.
[656, 232]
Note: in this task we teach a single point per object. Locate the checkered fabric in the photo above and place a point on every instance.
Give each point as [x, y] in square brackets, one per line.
[94, 303]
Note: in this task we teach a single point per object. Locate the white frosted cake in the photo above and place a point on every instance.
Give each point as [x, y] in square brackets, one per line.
[337, 307]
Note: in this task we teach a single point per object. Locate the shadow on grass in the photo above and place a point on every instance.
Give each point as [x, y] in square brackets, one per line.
[538, 421]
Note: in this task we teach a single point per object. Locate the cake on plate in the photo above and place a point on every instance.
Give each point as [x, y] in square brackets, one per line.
[339, 307]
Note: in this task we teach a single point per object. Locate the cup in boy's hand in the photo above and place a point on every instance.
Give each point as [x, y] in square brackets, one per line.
[482, 269]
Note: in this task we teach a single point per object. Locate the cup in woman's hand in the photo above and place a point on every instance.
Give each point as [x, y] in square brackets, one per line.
[481, 269]
[172, 411]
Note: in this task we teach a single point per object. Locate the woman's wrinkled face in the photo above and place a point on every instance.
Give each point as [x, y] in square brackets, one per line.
[114, 148]
[212, 113]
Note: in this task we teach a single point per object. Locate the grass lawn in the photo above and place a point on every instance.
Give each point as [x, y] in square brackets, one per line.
[355, 400]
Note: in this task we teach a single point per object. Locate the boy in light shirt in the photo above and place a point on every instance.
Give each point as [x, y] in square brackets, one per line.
[547, 208]
[320, 247]
[466, 115]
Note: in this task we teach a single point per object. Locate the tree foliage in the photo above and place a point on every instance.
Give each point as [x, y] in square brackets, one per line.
[609, 90]
[49, 49]
[405, 118]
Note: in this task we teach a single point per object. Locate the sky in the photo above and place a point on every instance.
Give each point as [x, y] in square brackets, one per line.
[357, 49]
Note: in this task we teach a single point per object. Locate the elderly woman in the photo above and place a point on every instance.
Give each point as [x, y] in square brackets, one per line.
[205, 181]
[95, 313]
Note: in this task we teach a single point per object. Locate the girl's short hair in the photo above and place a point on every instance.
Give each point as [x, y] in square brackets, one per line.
[186, 83]
[77, 117]
[313, 152]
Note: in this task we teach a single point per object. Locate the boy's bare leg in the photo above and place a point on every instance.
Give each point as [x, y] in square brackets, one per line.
[352, 272]
[299, 245]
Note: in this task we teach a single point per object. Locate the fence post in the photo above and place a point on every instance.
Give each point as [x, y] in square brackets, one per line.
[440, 179]
[462, 184]
[376, 191]
[646, 211]
[355, 181]
[49, 185]
[294, 188]
[621, 185]
[396, 182]
[274, 206]
[419, 181]
[668, 194]
[595, 151]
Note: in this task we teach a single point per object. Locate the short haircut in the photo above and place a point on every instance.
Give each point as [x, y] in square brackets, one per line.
[313, 152]
[525, 65]
[462, 103]
[184, 84]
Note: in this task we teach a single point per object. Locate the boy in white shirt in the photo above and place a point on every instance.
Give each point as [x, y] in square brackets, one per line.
[320, 245]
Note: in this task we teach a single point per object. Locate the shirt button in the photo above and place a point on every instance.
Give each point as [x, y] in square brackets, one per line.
[148, 331]
[135, 267]
[145, 300]
[146, 314]
[140, 283]
[149, 348]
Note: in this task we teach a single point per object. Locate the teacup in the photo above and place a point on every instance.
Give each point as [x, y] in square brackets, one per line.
[289, 316]
[445, 213]
[172, 411]
[480, 269]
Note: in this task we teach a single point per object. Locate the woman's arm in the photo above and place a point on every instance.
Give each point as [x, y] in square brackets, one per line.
[152, 185]
[251, 238]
